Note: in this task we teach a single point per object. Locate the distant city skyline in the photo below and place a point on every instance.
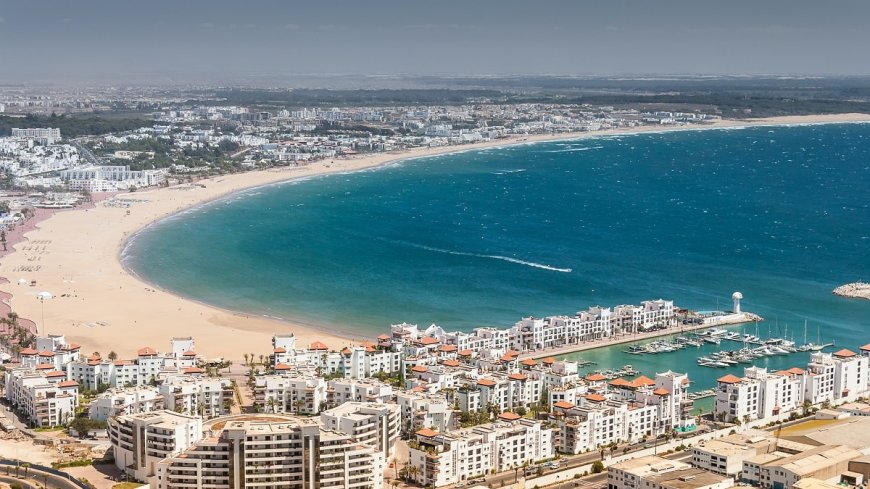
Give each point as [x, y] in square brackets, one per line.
[160, 41]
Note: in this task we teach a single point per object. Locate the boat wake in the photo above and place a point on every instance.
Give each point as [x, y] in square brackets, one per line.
[491, 257]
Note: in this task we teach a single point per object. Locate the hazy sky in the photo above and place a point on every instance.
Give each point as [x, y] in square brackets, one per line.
[120, 39]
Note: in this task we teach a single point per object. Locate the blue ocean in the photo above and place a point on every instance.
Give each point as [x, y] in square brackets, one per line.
[483, 238]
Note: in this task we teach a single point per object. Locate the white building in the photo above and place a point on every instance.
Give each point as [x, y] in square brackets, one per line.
[449, 458]
[45, 398]
[293, 453]
[110, 178]
[653, 472]
[121, 401]
[140, 441]
[43, 135]
[376, 425]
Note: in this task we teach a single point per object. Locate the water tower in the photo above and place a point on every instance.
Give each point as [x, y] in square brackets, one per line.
[737, 296]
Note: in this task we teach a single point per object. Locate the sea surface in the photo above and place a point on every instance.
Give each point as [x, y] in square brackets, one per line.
[483, 238]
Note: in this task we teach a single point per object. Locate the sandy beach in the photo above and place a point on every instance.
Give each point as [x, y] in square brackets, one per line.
[74, 255]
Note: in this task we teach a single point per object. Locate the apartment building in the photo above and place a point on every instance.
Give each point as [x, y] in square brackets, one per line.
[208, 397]
[420, 410]
[376, 425]
[290, 394]
[339, 391]
[43, 135]
[760, 394]
[293, 453]
[44, 397]
[121, 401]
[457, 456]
[140, 441]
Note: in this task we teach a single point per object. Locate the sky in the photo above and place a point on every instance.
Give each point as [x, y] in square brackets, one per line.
[95, 40]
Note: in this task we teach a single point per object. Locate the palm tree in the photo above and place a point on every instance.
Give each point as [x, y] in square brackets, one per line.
[412, 472]
[246, 358]
[26, 466]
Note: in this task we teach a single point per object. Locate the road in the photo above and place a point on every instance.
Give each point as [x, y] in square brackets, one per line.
[37, 478]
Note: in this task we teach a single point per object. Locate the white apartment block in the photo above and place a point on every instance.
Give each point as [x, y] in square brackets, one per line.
[44, 398]
[207, 397]
[285, 394]
[340, 391]
[296, 453]
[653, 472]
[140, 441]
[43, 135]
[759, 394]
[109, 178]
[147, 368]
[121, 401]
[457, 456]
[376, 425]
[419, 410]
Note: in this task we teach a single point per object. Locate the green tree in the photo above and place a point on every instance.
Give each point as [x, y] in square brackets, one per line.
[597, 467]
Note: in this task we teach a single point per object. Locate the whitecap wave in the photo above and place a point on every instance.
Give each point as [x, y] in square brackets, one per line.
[492, 257]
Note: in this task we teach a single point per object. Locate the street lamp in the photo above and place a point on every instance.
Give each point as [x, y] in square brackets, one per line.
[43, 296]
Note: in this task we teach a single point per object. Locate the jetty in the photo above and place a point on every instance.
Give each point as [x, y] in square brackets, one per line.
[857, 290]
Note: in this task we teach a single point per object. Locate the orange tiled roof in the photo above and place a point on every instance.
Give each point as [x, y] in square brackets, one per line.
[146, 351]
[282, 366]
[68, 383]
[595, 397]
[865, 347]
[595, 377]
[193, 370]
[279, 350]
[517, 377]
[420, 369]
[55, 373]
[661, 392]
[529, 362]
[563, 405]
[428, 340]
[427, 432]
[318, 345]
[451, 363]
[447, 348]
[384, 337]
[620, 383]
[643, 381]
[28, 351]
[466, 353]
[549, 360]
[844, 353]
[729, 379]
[796, 371]
[46, 353]
[486, 382]
[509, 416]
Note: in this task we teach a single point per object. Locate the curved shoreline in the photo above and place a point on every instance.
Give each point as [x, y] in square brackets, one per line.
[88, 266]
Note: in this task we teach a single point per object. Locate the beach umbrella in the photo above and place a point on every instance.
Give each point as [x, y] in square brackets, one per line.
[23, 281]
[44, 296]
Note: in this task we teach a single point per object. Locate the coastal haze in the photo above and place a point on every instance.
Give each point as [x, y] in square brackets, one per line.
[446, 244]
